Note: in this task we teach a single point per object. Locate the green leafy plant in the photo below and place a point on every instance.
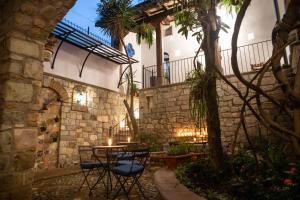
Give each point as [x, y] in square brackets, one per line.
[144, 32]
[231, 5]
[198, 80]
[151, 140]
[180, 149]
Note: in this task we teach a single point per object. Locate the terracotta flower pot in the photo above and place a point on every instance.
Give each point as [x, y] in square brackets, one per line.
[173, 161]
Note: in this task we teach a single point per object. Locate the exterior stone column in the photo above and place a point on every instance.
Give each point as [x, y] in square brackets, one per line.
[159, 54]
[24, 28]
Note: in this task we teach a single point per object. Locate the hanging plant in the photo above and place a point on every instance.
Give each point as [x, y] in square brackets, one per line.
[144, 32]
[197, 81]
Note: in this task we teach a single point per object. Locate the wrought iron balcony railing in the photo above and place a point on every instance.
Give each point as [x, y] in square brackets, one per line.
[250, 57]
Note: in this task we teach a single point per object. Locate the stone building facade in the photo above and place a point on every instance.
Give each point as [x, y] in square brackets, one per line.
[165, 110]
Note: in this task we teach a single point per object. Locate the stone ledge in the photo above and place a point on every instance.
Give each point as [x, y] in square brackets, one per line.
[170, 188]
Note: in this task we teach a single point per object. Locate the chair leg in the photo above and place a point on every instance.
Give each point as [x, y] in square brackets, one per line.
[140, 187]
[85, 179]
[122, 186]
[100, 177]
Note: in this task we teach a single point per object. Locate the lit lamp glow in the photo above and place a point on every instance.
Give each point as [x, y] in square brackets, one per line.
[136, 114]
[109, 142]
[128, 139]
[122, 124]
[195, 140]
[80, 98]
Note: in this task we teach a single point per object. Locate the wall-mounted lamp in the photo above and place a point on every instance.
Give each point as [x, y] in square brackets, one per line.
[79, 99]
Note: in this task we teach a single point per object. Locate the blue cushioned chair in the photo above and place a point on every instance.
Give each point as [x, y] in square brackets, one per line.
[129, 169]
[89, 164]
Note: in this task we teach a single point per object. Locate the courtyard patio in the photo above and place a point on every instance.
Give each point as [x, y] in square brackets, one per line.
[149, 99]
[64, 184]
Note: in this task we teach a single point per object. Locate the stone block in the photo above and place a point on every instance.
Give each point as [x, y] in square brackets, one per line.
[48, 12]
[25, 138]
[28, 8]
[33, 69]
[19, 92]
[25, 48]
[23, 21]
[11, 67]
[5, 142]
[24, 160]
[4, 162]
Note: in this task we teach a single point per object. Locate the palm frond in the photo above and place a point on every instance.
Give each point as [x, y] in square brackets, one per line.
[116, 17]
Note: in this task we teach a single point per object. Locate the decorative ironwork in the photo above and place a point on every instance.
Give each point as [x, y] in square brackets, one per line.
[87, 41]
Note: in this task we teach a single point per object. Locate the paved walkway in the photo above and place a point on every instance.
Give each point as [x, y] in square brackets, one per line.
[49, 186]
[170, 188]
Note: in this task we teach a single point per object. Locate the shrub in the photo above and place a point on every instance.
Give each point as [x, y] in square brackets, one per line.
[180, 149]
[153, 141]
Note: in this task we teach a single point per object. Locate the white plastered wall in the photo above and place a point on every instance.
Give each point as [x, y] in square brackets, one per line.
[97, 71]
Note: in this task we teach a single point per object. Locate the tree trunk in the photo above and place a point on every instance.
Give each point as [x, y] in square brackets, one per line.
[297, 109]
[210, 48]
[130, 106]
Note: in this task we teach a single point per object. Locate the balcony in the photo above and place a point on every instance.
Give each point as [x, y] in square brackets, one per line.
[250, 58]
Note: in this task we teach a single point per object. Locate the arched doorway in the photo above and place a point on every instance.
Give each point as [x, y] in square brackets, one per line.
[25, 27]
[167, 77]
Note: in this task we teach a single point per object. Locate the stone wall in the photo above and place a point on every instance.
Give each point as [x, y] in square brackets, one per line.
[105, 108]
[24, 28]
[165, 110]
[230, 106]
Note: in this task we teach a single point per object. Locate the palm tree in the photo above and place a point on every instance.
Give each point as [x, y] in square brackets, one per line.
[117, 18]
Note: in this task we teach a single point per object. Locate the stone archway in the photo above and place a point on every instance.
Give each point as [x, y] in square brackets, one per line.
[51, 98]
[58, 88]
[24, 28]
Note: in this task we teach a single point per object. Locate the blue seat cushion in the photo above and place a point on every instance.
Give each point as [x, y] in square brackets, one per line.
[128, 170]
[128, 162]
[122, 155]
[141, 153]
[91, 165]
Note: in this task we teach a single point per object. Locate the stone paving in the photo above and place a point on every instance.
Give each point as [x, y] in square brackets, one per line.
[66, 187]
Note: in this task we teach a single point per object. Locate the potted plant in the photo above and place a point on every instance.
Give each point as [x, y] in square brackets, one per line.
[178, 154]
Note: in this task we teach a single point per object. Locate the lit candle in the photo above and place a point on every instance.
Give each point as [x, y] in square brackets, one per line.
[128, 139]
[109, 141]
[195, 139]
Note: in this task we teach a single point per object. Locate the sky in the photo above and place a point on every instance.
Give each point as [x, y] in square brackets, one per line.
[84, 15]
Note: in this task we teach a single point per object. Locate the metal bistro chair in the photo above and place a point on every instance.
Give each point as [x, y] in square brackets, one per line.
[128, 173]
[89, 164]
[105, 155]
